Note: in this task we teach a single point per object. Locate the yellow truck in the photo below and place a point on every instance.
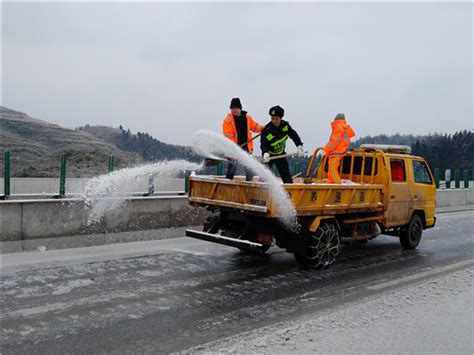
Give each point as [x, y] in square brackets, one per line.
[385, 190]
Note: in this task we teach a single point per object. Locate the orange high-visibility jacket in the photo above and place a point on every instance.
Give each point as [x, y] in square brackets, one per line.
[340, 138]
[230, 130]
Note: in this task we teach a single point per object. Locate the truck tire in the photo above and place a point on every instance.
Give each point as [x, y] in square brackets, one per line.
[410, 236]
[322, 248]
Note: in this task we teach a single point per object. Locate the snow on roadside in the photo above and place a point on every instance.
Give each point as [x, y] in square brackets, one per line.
[435, 316]
[70, 285]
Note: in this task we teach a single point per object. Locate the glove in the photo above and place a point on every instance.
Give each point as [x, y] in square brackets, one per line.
[266, 158]
[300, 151]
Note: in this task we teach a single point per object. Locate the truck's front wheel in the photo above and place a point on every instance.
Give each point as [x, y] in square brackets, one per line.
[322, 247]
[410, 236]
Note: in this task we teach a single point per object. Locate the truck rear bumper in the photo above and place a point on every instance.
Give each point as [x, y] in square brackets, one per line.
[220, 239]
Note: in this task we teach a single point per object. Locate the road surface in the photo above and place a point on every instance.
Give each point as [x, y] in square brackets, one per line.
[177, 294]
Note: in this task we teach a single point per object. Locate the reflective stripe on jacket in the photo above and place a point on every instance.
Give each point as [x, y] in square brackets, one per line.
[273, 139]
[277, 144]
[340, 138]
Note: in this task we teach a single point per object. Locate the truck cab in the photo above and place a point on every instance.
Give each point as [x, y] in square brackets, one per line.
[410, 187]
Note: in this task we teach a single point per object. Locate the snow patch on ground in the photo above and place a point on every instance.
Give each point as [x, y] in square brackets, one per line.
[63, 289]
[435, 316]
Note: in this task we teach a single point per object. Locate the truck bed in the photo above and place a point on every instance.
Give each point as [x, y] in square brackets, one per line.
[317, 198]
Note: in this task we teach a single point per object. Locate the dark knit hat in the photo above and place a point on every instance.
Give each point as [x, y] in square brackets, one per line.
[276, 111]
[235, 103]
[340, 116]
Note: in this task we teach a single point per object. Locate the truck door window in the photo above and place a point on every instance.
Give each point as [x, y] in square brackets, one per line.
[422, 175]
[397, 168]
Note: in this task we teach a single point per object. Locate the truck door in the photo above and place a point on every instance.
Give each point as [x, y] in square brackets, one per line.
[399, 196]
[424, 191]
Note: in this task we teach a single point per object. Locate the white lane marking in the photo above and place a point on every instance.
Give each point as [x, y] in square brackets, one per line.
[420, 275]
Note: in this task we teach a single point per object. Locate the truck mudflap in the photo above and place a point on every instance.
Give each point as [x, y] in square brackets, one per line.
[434, 223]
[233, 242]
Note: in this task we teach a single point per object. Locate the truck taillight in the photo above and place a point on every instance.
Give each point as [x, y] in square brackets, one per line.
[265, 239]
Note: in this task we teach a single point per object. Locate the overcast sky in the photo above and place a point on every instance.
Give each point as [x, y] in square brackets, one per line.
[171, 69]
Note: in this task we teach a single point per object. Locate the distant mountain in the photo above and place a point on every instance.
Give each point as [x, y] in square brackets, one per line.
[149, 148]
[36, 147]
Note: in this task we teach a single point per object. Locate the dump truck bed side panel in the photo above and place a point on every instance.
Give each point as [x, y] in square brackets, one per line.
[309, 199]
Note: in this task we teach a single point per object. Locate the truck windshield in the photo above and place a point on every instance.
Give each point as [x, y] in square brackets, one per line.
[422, 175]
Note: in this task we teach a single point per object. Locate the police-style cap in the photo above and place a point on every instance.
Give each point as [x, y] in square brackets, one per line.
[276, 111]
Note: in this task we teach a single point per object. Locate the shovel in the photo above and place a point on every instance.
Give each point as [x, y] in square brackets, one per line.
[284, 156]
[213, 160]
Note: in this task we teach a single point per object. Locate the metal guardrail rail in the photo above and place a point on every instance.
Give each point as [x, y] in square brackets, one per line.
[448, 182]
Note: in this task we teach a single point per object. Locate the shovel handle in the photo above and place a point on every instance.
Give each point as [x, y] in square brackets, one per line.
[284, 156]
[254, 137]
[211, 161]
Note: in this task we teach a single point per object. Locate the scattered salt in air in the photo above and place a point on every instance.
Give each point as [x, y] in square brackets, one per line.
[108, 192]
[208, 143]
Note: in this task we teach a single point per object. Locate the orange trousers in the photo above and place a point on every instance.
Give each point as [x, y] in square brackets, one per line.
[333, 169]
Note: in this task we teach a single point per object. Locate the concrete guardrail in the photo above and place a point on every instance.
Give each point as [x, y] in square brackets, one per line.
[50, 218]
[28, 219]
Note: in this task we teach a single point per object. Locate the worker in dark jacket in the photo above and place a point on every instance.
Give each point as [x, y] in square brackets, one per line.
[273, 142]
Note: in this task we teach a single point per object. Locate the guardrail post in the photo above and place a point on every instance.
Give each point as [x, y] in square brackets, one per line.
[6, 175]
[151, 184]
[219, 169]
[187, 173]
[111, 163]
[447, 178]
[457, 179]
[466, 178]
[436, 177]
[297, 168]
[62, 177]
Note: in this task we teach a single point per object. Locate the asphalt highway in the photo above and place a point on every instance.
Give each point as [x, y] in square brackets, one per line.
[170, 295]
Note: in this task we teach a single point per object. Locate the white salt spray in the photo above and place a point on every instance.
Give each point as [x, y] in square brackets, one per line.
[208, 143]
[108, 192]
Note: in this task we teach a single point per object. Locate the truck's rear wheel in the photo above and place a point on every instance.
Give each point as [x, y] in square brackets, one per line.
[322, 247]
[410, 236]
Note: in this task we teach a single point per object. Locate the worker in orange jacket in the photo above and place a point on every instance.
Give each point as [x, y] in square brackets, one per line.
[238, 126]
[337, 146]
